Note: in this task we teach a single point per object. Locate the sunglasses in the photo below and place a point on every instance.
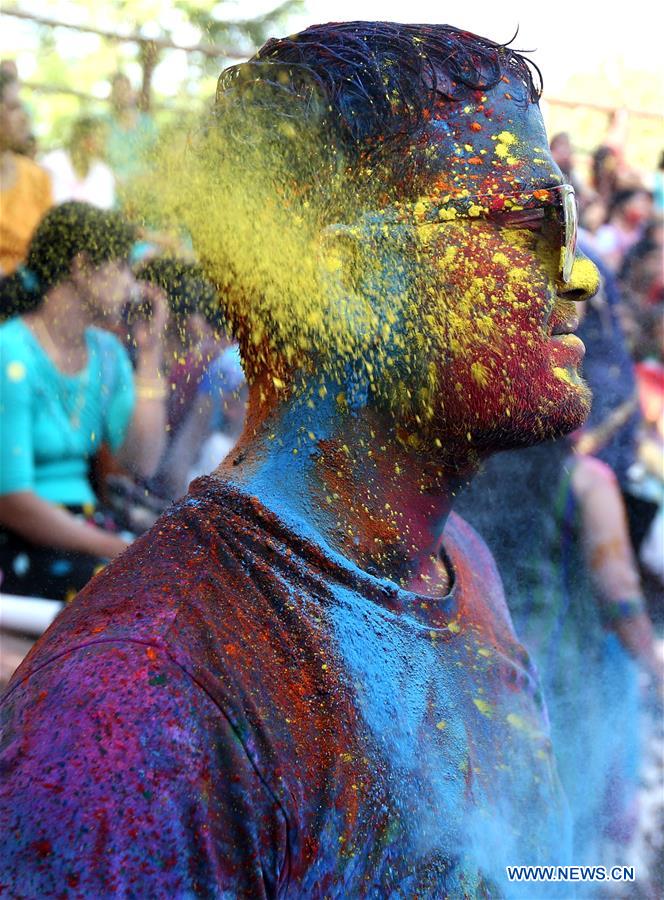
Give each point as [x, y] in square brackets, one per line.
[551, 211]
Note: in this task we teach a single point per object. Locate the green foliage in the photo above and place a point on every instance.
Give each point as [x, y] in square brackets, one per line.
[68, 60]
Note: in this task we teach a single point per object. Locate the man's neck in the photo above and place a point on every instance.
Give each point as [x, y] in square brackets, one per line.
[350, 474]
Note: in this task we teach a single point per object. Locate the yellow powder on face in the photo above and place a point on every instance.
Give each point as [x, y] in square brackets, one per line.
[447, 214]
[480, 373]
[564, 375]
[585, 276]
[505, 146]
[341, 292]
[485, 708]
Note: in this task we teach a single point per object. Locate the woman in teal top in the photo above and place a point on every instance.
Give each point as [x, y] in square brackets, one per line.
[66, 387]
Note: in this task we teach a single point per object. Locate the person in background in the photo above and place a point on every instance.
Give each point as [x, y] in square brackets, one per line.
[563, 154]
[658, 189]
[605, 173]
[66, 386]
[610, 432]
[628, 214]
[642, 282]
[215, 420]
[193, 339]
[564, 553]
[9, 67]
[130, 132]
[592, 212]
[25, 188]
[78, 171]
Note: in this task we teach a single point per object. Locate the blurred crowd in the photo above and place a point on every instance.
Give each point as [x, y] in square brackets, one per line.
[119, 383]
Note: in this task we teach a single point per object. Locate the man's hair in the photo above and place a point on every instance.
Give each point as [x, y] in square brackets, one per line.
[378, 81]
[313, 130]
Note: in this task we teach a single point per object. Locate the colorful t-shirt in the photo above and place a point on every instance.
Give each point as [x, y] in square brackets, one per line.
[51, 423]
[22, 207]
[233, 710]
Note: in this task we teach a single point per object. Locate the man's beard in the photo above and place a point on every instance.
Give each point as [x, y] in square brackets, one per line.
[457, 434]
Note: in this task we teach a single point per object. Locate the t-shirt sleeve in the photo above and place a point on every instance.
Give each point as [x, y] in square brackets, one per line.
[124, 778]
[120, 402]
[16, 438]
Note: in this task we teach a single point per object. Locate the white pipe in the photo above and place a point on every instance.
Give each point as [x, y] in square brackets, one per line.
[30, 615]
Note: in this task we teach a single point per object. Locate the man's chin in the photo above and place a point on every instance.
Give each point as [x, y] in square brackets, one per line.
[552, 420]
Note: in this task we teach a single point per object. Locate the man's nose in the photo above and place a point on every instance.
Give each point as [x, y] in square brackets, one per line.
[584, 280]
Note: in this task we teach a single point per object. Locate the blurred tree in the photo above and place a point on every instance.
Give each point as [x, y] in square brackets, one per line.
[64, 59]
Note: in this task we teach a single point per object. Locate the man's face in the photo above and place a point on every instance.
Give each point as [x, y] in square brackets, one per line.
[477, 302]
[14, 124]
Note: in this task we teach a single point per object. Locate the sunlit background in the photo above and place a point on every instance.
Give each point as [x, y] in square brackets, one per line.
[603, 70]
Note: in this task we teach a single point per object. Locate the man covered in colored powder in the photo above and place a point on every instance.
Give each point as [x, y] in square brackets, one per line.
[290, 686]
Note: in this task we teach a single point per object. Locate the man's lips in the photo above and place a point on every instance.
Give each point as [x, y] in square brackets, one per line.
[562, 333]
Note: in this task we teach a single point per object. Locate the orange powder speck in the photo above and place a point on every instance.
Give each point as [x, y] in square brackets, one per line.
[475, 126]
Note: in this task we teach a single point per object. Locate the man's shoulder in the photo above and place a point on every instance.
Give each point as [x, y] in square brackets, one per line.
[179, 587]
